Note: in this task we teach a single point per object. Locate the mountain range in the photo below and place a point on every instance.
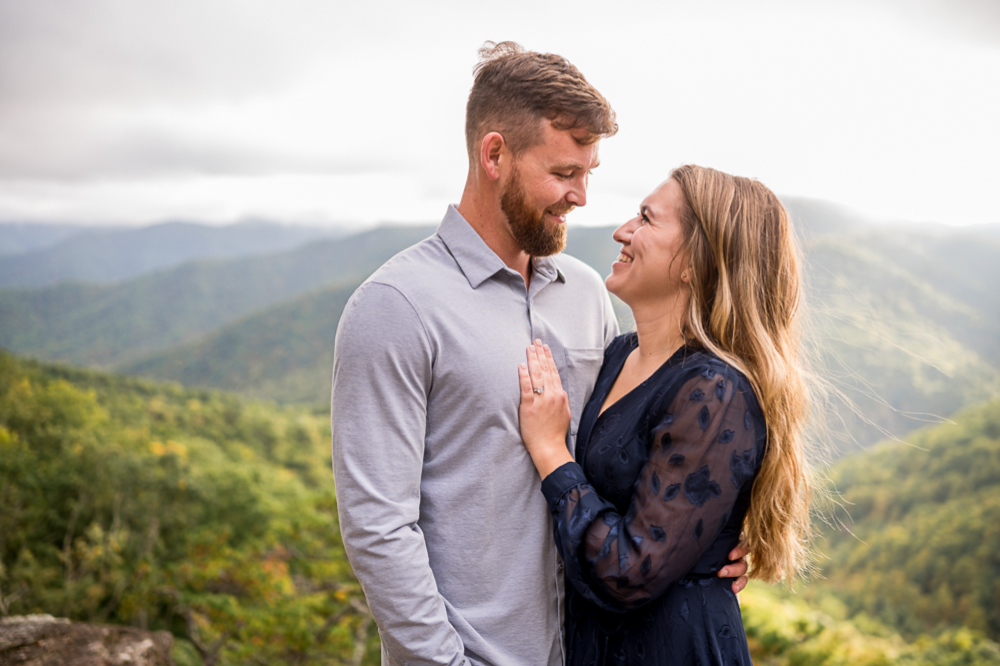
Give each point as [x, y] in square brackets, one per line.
[904, 322]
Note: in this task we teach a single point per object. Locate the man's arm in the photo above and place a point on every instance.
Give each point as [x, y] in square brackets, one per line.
[381, 376]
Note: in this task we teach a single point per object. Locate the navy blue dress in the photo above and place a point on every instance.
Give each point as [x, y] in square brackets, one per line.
[647, 522]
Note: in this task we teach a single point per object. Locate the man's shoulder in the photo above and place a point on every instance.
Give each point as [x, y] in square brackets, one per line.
[417, 264]
[407, 280]
[387, 306]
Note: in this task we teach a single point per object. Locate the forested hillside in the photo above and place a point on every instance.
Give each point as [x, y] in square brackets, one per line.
[919, 547]
[164, 508]
[194, 511]
[284, 352]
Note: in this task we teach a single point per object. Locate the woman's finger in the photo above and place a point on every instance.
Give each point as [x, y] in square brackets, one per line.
[535, 368]
[547, 368]
[539, 352]
[525, 380]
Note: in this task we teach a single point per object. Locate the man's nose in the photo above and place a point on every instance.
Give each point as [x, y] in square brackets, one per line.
[577, 194]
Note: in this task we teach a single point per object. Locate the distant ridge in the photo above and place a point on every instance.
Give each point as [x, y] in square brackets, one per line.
[283, 353]
[107, 325]
[112, 255]
[21, 237]
[815, 217]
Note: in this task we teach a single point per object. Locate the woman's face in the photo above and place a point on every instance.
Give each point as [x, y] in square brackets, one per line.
[652, 266]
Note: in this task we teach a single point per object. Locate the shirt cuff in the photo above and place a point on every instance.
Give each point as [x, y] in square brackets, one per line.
[563, 479]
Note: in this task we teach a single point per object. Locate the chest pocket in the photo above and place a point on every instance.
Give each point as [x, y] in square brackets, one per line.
[582, 368]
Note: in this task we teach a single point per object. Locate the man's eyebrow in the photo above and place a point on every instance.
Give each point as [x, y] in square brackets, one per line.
[576, 167]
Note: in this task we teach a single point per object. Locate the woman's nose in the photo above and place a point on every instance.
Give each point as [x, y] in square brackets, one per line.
[623, 234]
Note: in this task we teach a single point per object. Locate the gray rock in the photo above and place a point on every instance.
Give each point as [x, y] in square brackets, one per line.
[43, 640]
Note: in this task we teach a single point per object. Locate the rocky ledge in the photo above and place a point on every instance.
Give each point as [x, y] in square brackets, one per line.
[43, 640]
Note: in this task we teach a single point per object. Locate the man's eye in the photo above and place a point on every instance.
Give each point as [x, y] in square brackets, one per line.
[565, 176]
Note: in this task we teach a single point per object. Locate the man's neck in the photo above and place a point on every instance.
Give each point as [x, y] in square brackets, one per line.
[481, 209]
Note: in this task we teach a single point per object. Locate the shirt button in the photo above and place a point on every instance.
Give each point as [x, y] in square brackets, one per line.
[559, 567]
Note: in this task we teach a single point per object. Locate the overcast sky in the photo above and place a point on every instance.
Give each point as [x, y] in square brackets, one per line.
[332, 112]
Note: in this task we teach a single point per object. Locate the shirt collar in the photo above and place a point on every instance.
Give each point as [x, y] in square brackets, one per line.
[475, 258]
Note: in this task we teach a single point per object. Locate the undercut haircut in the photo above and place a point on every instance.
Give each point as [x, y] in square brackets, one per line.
[515, 89]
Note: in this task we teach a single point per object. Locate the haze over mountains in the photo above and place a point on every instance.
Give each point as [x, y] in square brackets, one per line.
[905, 319]
[39, 255]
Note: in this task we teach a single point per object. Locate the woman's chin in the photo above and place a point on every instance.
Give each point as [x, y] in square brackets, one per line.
[613, 285]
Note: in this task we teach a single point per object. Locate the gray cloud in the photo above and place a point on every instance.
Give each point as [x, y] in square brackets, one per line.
[71, 73]
[150, 153]
[131, 91]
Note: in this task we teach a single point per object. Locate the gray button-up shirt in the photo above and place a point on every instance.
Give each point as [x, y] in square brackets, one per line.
[440, 506]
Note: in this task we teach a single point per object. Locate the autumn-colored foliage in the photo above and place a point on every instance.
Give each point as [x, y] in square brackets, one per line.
[164, 508]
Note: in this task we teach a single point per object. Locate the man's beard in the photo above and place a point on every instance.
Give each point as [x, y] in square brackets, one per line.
[528, 225]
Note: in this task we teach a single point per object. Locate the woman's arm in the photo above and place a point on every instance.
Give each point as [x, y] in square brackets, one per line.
[704, 449]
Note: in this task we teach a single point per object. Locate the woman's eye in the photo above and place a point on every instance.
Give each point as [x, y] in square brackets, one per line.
[643, 217]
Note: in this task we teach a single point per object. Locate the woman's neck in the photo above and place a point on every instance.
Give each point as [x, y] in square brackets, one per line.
[660, 329]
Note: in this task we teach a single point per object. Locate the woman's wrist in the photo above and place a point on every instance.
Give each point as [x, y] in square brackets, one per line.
[550, 459]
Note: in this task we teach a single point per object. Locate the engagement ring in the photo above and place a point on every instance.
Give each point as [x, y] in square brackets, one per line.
[540, 390]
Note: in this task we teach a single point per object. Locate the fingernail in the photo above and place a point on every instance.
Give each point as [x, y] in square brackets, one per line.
[725, 573]
[538, 342]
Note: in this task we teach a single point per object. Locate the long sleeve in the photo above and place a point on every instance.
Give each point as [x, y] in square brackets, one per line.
[704, 437]
[381, 378]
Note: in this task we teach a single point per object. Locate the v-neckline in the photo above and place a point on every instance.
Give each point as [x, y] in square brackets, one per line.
[635, 388]
[590, 421]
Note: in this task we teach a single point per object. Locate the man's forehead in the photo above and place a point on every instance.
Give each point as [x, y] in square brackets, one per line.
[567, 148]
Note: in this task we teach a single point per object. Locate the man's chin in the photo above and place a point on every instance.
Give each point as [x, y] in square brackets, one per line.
[552, 243]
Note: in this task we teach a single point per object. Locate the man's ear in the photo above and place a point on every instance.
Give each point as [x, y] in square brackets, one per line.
[492, 149]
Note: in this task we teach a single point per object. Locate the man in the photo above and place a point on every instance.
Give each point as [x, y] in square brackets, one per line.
[440, 506]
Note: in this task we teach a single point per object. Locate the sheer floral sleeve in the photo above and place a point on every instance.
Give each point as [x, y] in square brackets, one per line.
[705, 438]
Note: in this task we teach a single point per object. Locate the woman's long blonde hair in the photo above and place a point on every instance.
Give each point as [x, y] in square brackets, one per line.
[746, 301]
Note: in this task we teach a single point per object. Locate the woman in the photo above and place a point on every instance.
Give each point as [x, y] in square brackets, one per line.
[693, 433]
